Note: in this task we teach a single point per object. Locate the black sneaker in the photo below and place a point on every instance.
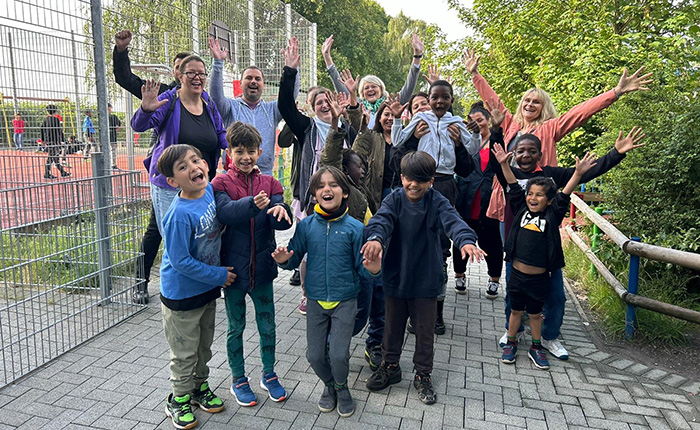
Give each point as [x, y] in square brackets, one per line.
[492, 290]
[439, 326]
[295, 279]
[49, 176]
[179, 409]
[424, 385]
[385, 375]
[65, 174]
[373, 355]
[207, 401]
[140, 294]
[461, 285]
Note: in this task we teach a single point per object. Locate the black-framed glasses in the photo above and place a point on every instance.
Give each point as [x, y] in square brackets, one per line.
[193, 75]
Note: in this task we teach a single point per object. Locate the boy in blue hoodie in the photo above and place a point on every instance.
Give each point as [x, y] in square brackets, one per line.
[190, 280]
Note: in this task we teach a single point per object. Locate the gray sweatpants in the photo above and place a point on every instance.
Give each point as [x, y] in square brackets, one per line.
[332, 327]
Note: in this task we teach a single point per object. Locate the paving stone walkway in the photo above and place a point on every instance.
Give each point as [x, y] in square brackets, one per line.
[119, 380]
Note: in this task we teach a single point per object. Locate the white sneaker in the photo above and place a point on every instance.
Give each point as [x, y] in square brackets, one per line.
[555, 348]
[461, 285]
[492, 290]
[520, 337]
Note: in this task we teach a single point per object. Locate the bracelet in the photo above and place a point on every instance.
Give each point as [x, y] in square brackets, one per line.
[418, 56]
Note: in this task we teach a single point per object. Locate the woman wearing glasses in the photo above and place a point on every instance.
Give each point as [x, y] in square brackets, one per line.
[180, 115]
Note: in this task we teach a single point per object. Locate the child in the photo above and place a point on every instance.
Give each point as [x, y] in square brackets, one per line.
[534, 248]
[332, 240]
[190, 277]
[252, 206]
[407, 225]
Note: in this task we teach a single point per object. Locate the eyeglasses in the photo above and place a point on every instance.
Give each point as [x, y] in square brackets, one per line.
[193, 75]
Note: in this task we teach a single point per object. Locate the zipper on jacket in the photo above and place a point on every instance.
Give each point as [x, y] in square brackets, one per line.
[328, 230]
[251, 269]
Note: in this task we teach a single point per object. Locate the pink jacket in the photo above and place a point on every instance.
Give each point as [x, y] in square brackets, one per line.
[550, 132]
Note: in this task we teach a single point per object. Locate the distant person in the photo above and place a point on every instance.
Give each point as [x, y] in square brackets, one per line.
[88, 133]
[52, 136]
[18, 124]
[114, 125]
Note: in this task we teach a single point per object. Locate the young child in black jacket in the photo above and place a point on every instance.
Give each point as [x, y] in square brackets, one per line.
[407, 227]
[534, 248]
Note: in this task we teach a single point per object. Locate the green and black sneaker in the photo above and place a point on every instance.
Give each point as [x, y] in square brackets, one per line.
[179, 409]
[207, 400]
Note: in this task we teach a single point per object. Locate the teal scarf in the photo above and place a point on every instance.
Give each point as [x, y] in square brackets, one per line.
[373, 107]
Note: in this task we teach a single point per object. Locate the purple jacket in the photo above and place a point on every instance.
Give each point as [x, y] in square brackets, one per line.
[169, 132]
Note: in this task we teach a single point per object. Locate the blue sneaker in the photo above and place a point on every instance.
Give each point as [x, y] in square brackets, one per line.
[242, 393]
[539, 358]
[509, 351]
[271, 384]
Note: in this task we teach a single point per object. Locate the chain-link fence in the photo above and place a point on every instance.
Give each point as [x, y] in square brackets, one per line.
[70, 224]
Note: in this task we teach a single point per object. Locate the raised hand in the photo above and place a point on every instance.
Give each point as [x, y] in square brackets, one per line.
[585, 164]
[350, 83]
[395, 106]
[372, 250]
[475, 254]
[333, 104]
[498, 113]
[326, 50]
[502, 156]
[365, 118]
[280, 213]
[215, 49]
[230, 277]
[421, 130]
[343, 102]
[417, 45]
[261, 200]
[632, 83]
[149, 94]
[281, 255]
[624, 145]
[291, 54]
[433, 74]
[122, 40]
[471, 61]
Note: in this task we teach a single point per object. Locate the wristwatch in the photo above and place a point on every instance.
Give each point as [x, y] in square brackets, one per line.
[375, 237]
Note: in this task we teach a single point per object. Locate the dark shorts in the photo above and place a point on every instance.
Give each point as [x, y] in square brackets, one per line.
[527, 292]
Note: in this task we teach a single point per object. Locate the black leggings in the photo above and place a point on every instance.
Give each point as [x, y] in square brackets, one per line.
[489, 236]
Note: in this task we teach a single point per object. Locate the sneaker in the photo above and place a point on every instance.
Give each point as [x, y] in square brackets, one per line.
[295, 279]
[207, 400]
[65, 174]
[373, 355]
[302, 306]
[329, 398]
[346, 406]
[539, 358]
[509, 351]
[271, 384]
[180, 411]
[424, 385]
[555, 348]
[461, 285]
[140, 297]
[439, 326]
[49, 176]
[242, 393]
[385, 375]
[520, 337]
[492, 290]
[409, 327]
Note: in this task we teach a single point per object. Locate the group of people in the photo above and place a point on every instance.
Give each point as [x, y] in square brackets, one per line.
[377, 205]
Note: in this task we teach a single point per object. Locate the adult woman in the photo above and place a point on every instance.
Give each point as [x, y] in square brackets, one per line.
[371, 89]
[180, 115]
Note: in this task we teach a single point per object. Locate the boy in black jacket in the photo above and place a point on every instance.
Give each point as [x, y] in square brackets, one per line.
[534, 248]
[408, 225]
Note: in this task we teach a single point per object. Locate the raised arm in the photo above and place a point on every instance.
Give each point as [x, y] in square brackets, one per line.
[471, 63]
[150, 114]
[330, 67]
[286, 103]
[413, 70]
[216, 81]
[123, 75]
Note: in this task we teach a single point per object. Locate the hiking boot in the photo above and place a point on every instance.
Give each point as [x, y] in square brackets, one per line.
[424, 385]
[520, 337]
[271, 384]
[295, 279]
[180, 411]
[207, 400]
[346, 406]
[242, 393]
[461, 285]
[373, 355]
[328, 400]
[492, 290]
[385, 375]
[509, 351]
[555, 348]
[302, 306]
[538, 358]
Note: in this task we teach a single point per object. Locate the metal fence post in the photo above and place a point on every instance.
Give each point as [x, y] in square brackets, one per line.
[76, 83]
[101, 192]
[632, 288]
[251, 32]
[12, 70]
[594, 240]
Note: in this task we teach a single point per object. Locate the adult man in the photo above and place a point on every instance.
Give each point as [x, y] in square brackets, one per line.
[132, 83]
[250, 107]
[52, 136]
[114, 125]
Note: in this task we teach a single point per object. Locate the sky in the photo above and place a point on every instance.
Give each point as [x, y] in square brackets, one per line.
[437, 13]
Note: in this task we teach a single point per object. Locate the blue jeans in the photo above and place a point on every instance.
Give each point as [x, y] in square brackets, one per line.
[553, 306]
[161, 198]
[18, 140]
[370, 305]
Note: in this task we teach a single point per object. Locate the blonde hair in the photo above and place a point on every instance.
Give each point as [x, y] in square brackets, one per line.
[372, 79]
[548, 109]
[311, 95]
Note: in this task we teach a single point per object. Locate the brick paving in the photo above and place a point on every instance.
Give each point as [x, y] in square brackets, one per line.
[119, 380]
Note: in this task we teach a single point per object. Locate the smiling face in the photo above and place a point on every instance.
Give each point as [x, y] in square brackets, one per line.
[481, 121]
[371, 92]
[440, 100]
[415, 190]
[329, 194]
[531, 106]
[419, 104]
[190, 175]
[322, 109]
[252, 84]
[244, 158]
[386, 120]
[527, 155]
[194, 85]
[536, 198]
